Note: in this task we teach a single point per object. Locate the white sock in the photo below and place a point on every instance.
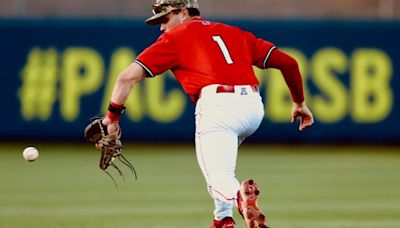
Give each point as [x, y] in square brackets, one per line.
[223, 209]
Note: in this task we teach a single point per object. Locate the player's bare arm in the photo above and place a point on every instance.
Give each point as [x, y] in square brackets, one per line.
[125, 81]
[123, 86]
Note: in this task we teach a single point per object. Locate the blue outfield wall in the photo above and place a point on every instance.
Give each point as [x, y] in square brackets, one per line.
[55, 74]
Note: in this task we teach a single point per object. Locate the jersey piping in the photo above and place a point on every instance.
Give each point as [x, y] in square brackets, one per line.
[266, 57]
[146, 68]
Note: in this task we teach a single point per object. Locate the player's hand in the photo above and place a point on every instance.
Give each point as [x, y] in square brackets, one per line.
[112, 126]
[305, 115]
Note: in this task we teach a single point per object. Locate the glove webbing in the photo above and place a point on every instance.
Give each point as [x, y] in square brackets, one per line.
[118, 155]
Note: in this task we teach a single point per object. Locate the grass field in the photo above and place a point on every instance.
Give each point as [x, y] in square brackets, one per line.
[313, 187]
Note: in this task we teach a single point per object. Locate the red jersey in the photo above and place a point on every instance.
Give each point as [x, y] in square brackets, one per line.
[201, 53]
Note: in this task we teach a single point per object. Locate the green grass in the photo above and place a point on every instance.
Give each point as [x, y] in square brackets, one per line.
[313, 187]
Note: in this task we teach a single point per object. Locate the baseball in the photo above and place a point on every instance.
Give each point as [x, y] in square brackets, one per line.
[30, 154]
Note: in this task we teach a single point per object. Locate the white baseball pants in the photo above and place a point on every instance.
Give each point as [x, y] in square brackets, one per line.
[223, 121]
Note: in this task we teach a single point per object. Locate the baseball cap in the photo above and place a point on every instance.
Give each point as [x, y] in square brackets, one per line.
[163, 7]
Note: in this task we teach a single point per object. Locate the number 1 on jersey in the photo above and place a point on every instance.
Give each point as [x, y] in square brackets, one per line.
[223, 48]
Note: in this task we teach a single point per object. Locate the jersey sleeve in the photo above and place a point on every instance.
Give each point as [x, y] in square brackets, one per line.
[159, 57]
[290, 71]
[260, 50]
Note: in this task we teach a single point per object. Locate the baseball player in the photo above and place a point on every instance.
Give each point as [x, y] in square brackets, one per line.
[213, 62]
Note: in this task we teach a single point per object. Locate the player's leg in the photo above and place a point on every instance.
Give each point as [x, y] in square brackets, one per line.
[220, 121]
[216, 155]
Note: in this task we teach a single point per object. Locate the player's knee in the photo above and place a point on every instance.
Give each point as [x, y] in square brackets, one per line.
[223, 186]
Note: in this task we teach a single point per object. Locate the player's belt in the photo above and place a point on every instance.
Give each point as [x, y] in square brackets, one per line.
[238, 89]
[231, 88]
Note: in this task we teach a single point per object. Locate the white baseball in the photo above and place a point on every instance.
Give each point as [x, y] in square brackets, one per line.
[30, 154]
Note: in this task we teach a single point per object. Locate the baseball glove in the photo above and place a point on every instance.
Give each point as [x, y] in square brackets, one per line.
[110, 146]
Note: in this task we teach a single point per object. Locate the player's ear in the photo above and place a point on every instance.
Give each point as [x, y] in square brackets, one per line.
[185, 14]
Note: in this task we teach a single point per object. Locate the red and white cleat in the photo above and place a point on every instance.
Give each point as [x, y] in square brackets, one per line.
[247, 205]
[227, 222]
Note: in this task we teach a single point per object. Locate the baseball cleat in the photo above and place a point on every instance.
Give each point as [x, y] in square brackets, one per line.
[227, 222]
[247, 205]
